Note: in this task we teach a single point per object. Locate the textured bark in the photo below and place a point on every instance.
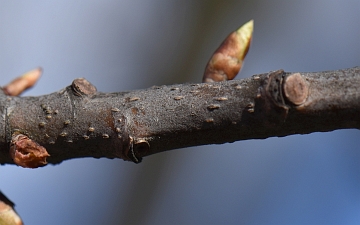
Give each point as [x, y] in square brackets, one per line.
[78, 121]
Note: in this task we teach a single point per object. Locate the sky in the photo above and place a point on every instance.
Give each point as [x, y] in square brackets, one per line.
[126, 45]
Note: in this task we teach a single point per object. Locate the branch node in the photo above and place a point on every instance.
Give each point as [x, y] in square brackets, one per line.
[274, 86]
[138, 148]
[141, 147]
[270, 100]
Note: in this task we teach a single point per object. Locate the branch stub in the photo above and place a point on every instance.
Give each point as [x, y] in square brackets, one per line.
[296, 89]
[81, 86]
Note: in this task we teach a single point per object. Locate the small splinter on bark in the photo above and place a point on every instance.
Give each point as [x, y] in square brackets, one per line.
[26, 152]
[22, 83]
[227, 60]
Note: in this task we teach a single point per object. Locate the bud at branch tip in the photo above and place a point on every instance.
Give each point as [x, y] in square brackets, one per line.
[23, 82]
[227, 60]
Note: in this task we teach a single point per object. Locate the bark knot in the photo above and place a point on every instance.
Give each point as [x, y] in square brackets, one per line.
[81, 86]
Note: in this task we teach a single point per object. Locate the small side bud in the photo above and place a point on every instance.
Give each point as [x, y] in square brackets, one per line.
[8, 214]
[22, 83]
[26, 152]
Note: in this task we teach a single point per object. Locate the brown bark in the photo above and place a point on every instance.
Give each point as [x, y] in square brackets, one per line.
[78, 121]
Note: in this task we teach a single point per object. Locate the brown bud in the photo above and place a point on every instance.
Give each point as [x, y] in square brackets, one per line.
[227, 60]
[22, 83]
[26, 152]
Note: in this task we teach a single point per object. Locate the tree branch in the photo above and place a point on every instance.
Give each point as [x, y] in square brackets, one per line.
[78, 121]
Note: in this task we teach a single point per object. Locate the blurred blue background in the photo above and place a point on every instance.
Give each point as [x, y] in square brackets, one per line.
[131, 44]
